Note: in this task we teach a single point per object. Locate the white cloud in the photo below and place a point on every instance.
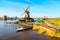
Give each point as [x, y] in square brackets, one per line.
[28, 0]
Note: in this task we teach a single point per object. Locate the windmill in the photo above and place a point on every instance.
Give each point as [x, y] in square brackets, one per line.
[27, 15]
[26, 12]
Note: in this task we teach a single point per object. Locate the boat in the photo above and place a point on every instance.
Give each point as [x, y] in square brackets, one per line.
[23, 28]
[19, 29]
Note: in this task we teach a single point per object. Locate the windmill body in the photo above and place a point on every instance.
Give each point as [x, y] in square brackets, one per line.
[27, 14]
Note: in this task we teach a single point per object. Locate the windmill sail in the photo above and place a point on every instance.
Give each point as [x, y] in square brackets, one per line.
[27, 13]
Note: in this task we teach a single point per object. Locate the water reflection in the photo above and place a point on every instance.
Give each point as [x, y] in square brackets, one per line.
[4, 28]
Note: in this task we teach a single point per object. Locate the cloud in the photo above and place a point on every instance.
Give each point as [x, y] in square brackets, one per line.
[28, 0]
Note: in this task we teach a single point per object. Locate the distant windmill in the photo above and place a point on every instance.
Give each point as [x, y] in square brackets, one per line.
[26, 12]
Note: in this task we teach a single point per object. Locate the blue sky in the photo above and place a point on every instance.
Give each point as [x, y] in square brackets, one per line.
[38, 8]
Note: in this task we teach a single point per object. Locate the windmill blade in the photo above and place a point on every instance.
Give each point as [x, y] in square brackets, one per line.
[28, 7]
[23, 8]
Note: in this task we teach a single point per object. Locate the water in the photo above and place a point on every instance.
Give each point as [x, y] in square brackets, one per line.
[8, 32]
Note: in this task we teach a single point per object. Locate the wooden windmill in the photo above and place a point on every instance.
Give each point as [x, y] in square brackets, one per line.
[26, 12]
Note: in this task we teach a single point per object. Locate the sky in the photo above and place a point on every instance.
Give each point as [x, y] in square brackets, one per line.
[38, 8]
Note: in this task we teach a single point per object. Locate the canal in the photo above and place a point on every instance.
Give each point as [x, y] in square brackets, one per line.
[8, 32]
